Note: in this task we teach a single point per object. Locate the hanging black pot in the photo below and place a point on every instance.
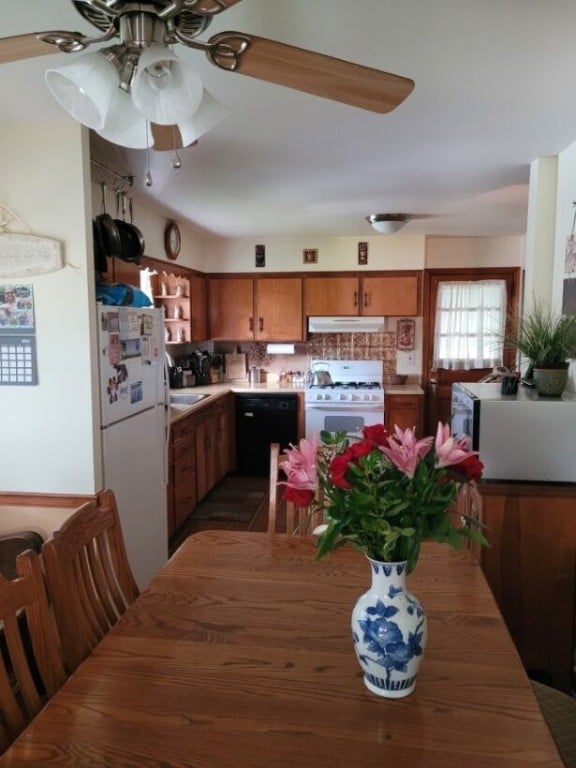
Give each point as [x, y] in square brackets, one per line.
[100, 260]
[108, 232]
[131, 240]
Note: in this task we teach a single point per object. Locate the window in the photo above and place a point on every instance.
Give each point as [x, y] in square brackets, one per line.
[470, 323]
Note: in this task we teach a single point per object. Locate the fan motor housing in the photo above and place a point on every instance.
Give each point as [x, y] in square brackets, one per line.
[188, 23]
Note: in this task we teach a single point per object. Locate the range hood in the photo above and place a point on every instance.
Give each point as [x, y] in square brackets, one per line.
[345, 324]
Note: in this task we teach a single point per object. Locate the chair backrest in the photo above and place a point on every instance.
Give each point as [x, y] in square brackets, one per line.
[89, 579]
[284, 516]
[31, 667]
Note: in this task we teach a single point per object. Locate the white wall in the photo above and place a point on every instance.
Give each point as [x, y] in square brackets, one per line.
[48, 431]
[334, 254]
[474, 252]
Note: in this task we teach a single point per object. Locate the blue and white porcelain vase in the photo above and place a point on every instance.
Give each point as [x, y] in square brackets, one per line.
[389, 630]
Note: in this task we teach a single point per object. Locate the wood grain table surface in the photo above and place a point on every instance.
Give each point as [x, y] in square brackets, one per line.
[240, 655]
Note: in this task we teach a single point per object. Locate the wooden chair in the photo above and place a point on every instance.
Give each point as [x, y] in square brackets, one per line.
[89, 579]
[284, 516]
[31, 666]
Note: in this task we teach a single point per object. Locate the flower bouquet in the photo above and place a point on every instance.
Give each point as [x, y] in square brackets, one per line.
[384, 493]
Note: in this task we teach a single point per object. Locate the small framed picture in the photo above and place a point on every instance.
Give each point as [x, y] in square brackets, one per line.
[362, 253]
[310, 255]
[260, 255]
[405, 334]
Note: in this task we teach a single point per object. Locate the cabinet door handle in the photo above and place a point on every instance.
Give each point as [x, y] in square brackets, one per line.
[251, 324]
[260, 323]
[366, 302]
[355, 298]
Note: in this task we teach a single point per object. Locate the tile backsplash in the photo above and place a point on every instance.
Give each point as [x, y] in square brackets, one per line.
[329, 346]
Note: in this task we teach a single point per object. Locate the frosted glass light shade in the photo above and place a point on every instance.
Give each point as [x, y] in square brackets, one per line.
[164, 90]
[207, 116]
[388, 223]
[85, 88]
[124, 125]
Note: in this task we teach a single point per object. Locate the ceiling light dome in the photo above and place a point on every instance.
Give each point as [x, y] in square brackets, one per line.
[388, 223]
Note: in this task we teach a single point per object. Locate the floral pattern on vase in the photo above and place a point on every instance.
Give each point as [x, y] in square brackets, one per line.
[389, 630]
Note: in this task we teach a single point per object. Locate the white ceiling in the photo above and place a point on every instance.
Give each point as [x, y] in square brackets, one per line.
[494, 90]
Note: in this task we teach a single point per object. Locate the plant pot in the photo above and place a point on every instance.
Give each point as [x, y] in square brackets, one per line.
[550, 382]
[389, 630]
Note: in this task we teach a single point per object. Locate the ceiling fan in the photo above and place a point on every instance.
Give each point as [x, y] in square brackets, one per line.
[146, 28]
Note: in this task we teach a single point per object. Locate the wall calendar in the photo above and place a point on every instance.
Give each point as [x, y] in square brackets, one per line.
[18, 362]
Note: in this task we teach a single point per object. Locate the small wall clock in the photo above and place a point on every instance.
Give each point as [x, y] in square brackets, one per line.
[172, 240]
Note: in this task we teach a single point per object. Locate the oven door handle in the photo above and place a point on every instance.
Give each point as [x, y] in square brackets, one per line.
[347, 407]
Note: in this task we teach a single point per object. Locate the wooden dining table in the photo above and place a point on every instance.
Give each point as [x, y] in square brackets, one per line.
[239, 655]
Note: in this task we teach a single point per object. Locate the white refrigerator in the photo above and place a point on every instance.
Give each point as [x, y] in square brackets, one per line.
[134, 427]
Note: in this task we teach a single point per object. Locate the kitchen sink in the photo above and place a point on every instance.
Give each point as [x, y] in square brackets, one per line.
[185, 400]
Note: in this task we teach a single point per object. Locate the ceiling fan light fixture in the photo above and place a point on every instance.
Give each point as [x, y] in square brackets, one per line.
[164, 90]
[85, 88]
[388, 223]
[207, 116]
[125, 125]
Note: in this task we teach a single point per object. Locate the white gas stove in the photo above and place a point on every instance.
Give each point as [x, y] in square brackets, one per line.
[354, 399]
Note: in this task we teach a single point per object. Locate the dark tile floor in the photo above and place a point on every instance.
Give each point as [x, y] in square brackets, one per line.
[237, 503]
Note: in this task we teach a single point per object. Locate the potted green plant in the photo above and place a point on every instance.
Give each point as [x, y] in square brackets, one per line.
[548, 340]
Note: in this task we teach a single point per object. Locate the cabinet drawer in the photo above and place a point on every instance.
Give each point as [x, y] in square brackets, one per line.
[181, 429]
[404, 401]
[183, 447]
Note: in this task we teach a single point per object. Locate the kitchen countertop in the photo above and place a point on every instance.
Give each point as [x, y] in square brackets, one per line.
[214, 391]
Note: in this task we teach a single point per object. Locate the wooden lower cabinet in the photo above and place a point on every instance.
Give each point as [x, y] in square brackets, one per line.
[531, 569]
[405, 411]
[200, 456]
[182, 495]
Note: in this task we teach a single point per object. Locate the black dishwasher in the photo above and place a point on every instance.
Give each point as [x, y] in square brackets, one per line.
[261, 420]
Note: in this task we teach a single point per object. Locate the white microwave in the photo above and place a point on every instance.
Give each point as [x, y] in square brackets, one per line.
[518, 437]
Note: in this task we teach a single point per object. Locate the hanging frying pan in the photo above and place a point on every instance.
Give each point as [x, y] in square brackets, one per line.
[109, 235]
[131, 240]
[100, 260]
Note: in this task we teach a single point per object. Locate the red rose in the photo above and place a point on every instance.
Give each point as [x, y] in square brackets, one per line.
[375, 433]
[337, 471]
[302, 497]
[470, 468]
[359, 449]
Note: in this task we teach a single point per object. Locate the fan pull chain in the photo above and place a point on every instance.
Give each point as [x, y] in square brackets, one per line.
[176, 160]
[148, 178]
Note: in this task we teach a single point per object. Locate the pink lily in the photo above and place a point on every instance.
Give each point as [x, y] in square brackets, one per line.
[300, 467]
[404, 451]
[450, 450]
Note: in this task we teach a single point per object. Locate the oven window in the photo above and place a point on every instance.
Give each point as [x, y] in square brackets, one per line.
[345, 423]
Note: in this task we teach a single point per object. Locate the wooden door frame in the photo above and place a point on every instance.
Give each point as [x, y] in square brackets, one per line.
[432, 277]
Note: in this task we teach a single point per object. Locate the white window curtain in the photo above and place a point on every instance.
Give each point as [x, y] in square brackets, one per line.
[470, 323]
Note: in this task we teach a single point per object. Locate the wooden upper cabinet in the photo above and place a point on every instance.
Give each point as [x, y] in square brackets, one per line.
[265, 309]
[198, 315]
[278, 304]
[392, 294]
[331, 296]
[231, 308]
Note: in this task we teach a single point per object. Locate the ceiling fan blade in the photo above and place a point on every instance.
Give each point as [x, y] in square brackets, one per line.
[23, 47]
[321, 75]
[167, 138]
